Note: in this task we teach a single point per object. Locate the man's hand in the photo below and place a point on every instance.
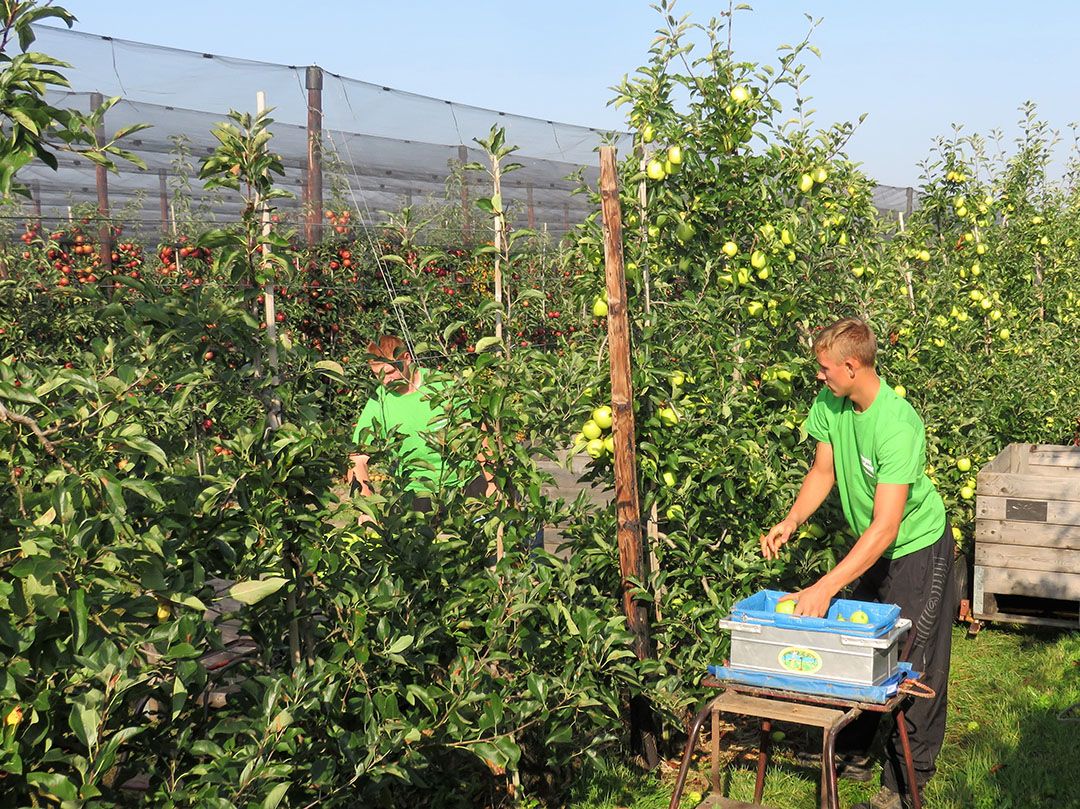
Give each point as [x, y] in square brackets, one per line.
[814, 601]
[777, 536]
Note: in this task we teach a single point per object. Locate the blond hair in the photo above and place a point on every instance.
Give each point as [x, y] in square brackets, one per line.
[848, 337]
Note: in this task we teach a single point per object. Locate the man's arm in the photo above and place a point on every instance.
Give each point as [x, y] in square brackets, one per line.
[815, 488]
[889, 502]
[358, 471]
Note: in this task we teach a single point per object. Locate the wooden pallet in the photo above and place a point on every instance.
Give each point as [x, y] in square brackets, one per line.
[1027, 536]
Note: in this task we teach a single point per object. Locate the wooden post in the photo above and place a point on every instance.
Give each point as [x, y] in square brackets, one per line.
[313, 190]
[35, 192]
[532, 208]
[102, 174]
[627, 505]
[463, 158]
[163, 190]
[273, 413]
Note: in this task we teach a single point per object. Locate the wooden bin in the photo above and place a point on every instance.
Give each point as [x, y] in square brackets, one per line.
[1027, 532]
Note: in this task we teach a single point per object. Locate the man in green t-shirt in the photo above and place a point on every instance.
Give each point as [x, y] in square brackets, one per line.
[872, 446]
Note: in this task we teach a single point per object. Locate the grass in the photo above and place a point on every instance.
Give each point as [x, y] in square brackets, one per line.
[1005, 746]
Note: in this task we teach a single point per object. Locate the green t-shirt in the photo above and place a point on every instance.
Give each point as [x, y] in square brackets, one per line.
[414, 418]
[886, 443]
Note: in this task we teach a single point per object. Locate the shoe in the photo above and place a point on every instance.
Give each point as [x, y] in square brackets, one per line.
[885, 798]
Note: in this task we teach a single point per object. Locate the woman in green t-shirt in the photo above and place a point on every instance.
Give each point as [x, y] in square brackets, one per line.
[402, 406]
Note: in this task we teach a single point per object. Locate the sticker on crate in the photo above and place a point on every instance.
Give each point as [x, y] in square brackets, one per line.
[799, 660]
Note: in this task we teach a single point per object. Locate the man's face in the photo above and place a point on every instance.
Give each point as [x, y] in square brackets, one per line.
[838, 376]
[392, 373]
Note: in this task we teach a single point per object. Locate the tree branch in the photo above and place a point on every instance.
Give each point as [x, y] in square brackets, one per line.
[35, 428]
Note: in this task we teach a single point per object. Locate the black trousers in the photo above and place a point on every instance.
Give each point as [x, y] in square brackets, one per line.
[923, 585]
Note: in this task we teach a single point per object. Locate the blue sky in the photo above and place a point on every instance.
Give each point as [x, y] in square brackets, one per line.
[915, 67]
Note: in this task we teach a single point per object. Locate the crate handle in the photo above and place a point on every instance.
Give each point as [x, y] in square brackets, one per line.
[740, 626]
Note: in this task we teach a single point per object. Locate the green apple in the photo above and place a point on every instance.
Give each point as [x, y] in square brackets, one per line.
[859, 617]
[923, 255]
[755, 308]
[599, 308]
[758, 260]
[674, 155]
[858, 271]
[963, 464]
[966, 492]
[668, 416]
[730, 249]
[590, 429]
[901, 391]
[674, 512]
[595, 448]
[609, 444]
[821, 174]
[602, 417]
[654, 169]
[786, 607]
[740, 94]
[669, 479]
[778, 735]
[677, 379]
[785, 236]
[684, 231]
[647, 133]
[806, 183]
[1004, 334]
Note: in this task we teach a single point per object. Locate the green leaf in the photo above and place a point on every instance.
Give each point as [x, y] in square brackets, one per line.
[252, 592]
[484, 343]
[331, 369]
[275, 795]
[178, 698]
[53, 785]
[145, 446]
[400, 645]
[78, 618]
[84, 722]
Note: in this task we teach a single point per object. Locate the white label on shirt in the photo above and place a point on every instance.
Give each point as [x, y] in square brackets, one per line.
[867, 466]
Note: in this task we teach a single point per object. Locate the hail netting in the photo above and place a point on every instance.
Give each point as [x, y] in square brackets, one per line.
[385, 147]
[382, 148]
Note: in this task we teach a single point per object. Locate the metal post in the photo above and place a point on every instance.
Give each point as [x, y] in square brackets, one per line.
[102, 174]
[532, 209]
[313, 191]
[463, 158]
[910, 203]
[35, 192]
[163, 190]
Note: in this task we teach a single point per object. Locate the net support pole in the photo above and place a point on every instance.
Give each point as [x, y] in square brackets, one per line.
[163, 190]
[102, 177]
[35, 193]
[313, 189]
[532, 207]
[463, 158]
[627, 504]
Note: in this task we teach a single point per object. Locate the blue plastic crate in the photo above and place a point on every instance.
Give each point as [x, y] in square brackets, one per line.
[881, 692]
[761, 608]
